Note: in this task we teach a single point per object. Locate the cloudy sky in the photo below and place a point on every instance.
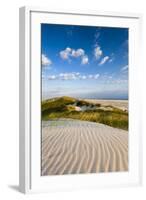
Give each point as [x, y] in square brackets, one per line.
[84, 61]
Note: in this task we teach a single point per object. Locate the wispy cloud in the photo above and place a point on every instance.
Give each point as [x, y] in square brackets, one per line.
[111, 58]
[52, 77]
[46, 61]
[98, 52]
[97, 36]
[73, 76]
[124, 69]
[69, 53]
[104, 60]
[67, 76]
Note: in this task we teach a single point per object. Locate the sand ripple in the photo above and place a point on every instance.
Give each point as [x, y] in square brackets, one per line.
[74, 146]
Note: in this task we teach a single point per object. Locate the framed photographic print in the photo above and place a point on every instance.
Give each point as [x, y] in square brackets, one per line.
[79, 100]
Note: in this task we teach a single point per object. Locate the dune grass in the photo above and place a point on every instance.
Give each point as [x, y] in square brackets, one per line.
[63, 108]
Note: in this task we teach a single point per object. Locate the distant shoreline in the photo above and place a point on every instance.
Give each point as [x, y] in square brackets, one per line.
[101, 99]
[104, 99]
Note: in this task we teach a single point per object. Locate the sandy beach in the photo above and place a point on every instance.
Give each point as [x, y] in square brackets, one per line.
[74, 146]
[121, 104]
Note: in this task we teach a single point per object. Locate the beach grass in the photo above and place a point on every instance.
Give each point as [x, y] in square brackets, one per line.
[64, 108]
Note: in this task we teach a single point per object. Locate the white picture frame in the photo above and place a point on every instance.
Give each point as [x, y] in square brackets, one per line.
[29, 160]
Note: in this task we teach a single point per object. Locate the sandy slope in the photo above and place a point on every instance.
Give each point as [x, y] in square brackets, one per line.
[74, 146]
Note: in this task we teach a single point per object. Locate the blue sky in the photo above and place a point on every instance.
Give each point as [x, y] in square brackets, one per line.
[84, 61]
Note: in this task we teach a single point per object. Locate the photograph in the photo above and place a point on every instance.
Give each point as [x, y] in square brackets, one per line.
[84, 99]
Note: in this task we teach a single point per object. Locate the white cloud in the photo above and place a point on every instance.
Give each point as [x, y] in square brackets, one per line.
[67, 76]
[68, 49]
[65, 53]
[83, 77]
[77, 73]
[96, 76]
[98, 52]
[93, 76]
[78, 53]
[46, 61]
[52, 77]
[90, 76]
[124, 69]
[104, 60]
[84, 60]
[69, 53]
[73, 76]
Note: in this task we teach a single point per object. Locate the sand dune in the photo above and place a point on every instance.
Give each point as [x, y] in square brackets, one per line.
[74, 146]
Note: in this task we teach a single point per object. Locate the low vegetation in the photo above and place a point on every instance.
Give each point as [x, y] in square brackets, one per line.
[65, 107]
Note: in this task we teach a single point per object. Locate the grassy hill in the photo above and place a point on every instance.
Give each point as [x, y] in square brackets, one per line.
[66, 107]
[56, 104]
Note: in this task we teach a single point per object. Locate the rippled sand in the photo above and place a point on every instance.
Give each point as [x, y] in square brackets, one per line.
[74, 146]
